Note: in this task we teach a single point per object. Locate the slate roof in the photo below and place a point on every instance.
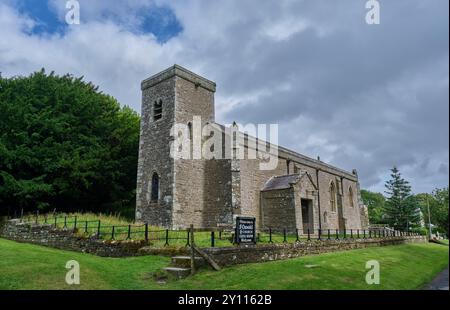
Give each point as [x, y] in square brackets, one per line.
[280, 182]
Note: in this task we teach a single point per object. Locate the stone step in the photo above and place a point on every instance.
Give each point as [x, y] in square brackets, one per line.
[185, 261]
[179, 273]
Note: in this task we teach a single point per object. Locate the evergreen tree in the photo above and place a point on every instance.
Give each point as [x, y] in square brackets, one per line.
[65, 145]
[402, 210]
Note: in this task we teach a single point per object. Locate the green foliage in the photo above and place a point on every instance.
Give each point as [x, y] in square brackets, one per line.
[65, 145]
[375, 204]
[402, 209]
[439, 204]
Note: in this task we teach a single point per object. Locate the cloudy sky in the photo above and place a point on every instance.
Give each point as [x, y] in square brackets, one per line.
[360, 96]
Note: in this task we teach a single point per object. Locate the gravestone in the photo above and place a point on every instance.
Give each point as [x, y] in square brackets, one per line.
[245, 230]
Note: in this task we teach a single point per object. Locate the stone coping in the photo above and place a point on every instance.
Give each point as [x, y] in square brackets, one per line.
[181, 72]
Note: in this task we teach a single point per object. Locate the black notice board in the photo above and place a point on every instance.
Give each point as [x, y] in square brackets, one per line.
[245, 230]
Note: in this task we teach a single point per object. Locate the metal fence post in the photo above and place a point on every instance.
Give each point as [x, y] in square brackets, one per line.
[337, 234]
[345, 233]
[146, 232]
[188, 237]
[129, 232]
[112, 232]
[167, 238]
[357, 233]
[212, 239]
[309, 235]
[319, 232]
[98, 229]
[284, 235]
[296, 235]
[270, 235]
[329, 234]
[351, 233]
[86, 227]
[191, 228]
[364, 234]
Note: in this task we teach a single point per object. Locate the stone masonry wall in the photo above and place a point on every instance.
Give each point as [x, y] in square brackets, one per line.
[270, 252]
[47, 235]
[154, 155]
[252, 180]
[202, 194]
[278, 210]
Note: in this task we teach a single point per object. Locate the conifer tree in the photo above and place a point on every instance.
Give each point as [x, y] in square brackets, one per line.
[402, 210]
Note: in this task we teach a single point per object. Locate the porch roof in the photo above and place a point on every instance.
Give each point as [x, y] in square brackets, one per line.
[280, 182]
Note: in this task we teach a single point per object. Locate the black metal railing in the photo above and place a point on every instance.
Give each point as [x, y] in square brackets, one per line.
[210, 237]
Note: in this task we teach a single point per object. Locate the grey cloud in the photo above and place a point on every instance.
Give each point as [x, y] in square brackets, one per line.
[360, 96]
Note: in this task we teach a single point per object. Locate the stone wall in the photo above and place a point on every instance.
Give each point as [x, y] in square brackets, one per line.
[191, 203]
[252, 181]
[154, 155]
[47, 235]
[269, 252]
[278, 210]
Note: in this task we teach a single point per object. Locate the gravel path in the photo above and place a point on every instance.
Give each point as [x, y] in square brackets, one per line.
[440, 282]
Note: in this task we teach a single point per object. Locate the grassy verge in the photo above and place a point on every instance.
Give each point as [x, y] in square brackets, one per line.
[25, 266]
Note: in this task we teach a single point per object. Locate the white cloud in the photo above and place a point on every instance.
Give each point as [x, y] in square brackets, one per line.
[361, 97]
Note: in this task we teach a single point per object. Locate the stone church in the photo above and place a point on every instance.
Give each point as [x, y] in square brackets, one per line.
[299, 193]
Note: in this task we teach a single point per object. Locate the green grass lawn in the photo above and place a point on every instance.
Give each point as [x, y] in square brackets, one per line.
[25, 266]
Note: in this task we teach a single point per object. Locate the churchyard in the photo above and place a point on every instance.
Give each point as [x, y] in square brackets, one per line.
[410, 266]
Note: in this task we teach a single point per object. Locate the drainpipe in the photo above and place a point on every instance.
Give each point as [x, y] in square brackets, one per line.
[318, 198]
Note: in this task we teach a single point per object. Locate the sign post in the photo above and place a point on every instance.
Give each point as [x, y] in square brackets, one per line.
[245, 230]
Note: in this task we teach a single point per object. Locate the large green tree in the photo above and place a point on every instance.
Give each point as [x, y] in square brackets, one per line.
[64, 145]
[375, 204]
[402, 210]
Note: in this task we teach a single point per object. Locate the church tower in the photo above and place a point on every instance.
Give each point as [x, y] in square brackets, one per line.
[170, 192]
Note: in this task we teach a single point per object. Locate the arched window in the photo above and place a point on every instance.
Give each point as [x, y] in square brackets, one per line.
[333, 197]
[350, 197]
[157, 110]
[155, 187]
